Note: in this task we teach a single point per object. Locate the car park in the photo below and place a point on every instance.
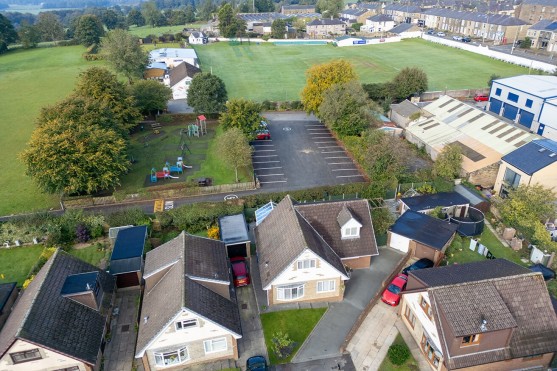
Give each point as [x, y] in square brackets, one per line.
[466, 39]
[441, 34]
[481, 98]
[262, 134]
[457, 38]
[256, 363]
[420, 264]
[391, 295]
[240, 271]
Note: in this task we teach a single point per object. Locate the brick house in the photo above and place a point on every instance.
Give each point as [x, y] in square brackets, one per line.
[325, 27]
[533, 11]
[486, 315]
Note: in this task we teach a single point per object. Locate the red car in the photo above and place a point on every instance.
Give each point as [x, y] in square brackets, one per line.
[481, 98]
[262, 134]
[391, 295]
[240, 271]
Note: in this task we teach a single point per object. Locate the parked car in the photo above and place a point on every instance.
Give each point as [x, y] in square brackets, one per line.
[256, 363]
[264, 125]
[240, 271]
[430, 32]
[466, 39]
[391, 295]
[481, 98]
[262, 134]
[420, 264]
[457, 38]
[441, 34]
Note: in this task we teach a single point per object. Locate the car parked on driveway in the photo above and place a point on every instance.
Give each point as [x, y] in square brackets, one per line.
[481, 98]
[391, 295]
[420, 264]
[240, 271]
[256, 363]
[262, 135]
[441, 34]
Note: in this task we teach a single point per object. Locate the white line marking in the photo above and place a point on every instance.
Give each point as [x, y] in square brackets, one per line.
[269, 174]
[338, 157]
[329, 141]
[327, 146]
[265, 156]
[266, 150]
[268, 168]
[344, 170]
[264, 162]
[308, 125]
[276, 181]
[332, 151]
[340, 163]
[320, 129]
[322, 138]
[349, 176]
[265, 145]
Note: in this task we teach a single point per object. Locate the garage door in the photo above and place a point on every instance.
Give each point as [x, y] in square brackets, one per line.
[495, 105]
[510, 111]
[399, 242]
[526, 118]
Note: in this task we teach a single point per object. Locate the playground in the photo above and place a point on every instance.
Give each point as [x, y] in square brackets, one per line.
[163, 153]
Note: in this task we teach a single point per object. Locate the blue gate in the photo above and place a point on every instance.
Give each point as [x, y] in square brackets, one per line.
[526, 118]
[510, 111]
[495, 105]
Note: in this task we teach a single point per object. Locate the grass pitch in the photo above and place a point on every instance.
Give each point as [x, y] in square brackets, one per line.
[269, 72]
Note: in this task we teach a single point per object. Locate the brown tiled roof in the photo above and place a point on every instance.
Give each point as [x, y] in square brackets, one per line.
[344, 216]
[164, 255]
[323, 218]
[282, 236]
[181, 71]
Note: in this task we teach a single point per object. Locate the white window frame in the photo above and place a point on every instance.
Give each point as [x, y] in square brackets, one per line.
[209, 345]
[283, 290]
[326, 286]
[351, 232]
[189, 323]
[182, 355]
[307, 264]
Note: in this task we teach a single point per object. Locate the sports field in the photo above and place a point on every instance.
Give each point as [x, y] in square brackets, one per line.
[269, 72]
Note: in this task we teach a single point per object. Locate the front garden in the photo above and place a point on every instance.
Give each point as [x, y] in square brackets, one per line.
[403, 359]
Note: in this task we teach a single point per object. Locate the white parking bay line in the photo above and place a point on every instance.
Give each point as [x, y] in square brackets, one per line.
[268, 168]
[266, 150]
[332, 151]
[329, 141]
[266, 156]
[349, 176]
[322, 138]
[344, 170]
[276, 181]
[269, 174]
[340, 163]
[264, 162]
[320, 129]
[264, 145]
[309, 125]
[327, 146]
[338, 157]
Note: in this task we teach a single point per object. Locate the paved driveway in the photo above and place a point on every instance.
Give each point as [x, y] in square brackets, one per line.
[329, 334]
[252, 342]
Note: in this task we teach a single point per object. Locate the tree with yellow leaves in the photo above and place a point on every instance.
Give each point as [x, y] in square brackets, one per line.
[320, 78]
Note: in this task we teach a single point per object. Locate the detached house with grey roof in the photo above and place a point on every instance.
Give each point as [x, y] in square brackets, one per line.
[487, 315]
[60, 320]
[189, 313]
[303, 249]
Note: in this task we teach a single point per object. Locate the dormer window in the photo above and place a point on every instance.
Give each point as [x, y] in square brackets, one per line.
[351, 232]
[470, 340]
[185, 324]
[349, 226]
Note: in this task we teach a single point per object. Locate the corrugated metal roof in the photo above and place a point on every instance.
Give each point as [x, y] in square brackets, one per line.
[540, 86]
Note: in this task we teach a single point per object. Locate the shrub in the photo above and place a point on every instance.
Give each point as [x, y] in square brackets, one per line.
[133, 216]
[82, 233]
[165, 219]
[426, 189]
[199, 217]
[398, 354]
[282, 345]
[213, 232]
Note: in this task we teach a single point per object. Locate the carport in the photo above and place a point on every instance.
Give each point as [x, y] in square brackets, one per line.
[234, 233]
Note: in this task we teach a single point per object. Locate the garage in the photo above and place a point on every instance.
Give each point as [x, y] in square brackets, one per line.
[526, 118]
[510, 111]
[234, 233]
[398, 242]
[126, 262]
[495, 105]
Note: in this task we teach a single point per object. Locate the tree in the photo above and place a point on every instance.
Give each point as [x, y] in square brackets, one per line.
[89, 29]
[278, 28]
[526, 43]
[112, 19]
[190, 14]
[329, 8]
[151, 14]
[123, 52]
[264, 6]
[150, 96]
[207, 93]
[383, 159]
[135, 18]
[491, 78]
[234, 149]
[29, 36]
[242, 114]
[176, 17]
[50, 27]
[206, 10]
[345, 109]
[229, 24]
[321, 77]
[448, 162]
[64, 157]
[409, 81]
[7, 34]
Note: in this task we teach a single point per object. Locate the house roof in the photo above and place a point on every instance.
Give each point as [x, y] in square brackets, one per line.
[355, 12]
[298, 7]
[181, 71]
[534, 156]
[189, 260]
[405, 108]
[233, 229]
[424, 229]
[539, 2]
[6, 290]
[473, 198]
[428, 202]
[403, 8]
[541, 25]
[325, 22]
[541, 86]
[381, 18]
[44, 317]
[158, 54]
[494, 19]
[282, 236]
[404, 27]
[197, 34]
[127, 255]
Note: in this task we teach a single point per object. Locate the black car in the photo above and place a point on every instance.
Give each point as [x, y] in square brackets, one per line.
[256, 363]
[420, 264]
[466, 39]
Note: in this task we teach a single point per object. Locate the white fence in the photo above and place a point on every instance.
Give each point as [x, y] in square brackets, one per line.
[484, 50]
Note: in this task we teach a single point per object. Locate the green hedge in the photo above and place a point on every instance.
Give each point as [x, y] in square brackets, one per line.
[197, 217]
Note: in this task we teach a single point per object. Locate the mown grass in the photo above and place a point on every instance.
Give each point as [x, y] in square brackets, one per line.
[144, 31]
[409, 365]
[265, 71]
[17, 262]
[90, 254]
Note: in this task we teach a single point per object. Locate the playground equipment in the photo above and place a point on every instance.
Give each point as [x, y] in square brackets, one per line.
[164, 174]
[175, 168]
[199, 127]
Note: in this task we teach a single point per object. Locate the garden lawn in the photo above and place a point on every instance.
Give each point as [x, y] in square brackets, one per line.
[29, 80]
[145, 31]
[409, 365]
[90, 254]
[298, 324]
[270, 72]
[17, 262]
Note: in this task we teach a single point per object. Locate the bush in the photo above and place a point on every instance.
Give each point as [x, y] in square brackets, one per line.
[165, 219]
[199, 217]
[82, 233]
[133, 216]
[213, 232]
[398, 354]
[282, 345]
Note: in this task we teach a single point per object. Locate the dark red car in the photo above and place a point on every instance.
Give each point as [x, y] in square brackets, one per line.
[481, 98]
[263, 134]
[391, 295]
[240, 271]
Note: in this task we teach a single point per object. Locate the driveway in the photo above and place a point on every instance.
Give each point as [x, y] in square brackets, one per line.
[178, 106]
[329, 334]
[252, 342]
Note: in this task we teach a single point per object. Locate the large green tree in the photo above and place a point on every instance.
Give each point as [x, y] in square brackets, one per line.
[205, 10]
[152, 14]
[135, 17]
[150, 96]
[7, 34]
[207, 93]
[122, 50]
[29, 36]
[278, 28]
[50, 27]
[242, 114]
[346, 109]
[383, 160]
[329, 8]
[89, 29]
[234, 149]
[449, 162]
[65, 157]
[321, 77]
[229, 24]
[409, 81]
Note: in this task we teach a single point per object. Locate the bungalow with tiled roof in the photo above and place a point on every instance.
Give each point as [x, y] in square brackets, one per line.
[189, 314]
[302, 249]
[487, 315]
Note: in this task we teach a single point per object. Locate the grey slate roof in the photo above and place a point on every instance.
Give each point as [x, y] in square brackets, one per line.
[381, 18]
[6, 290]
[427, 202]
[282, 236]
[541, 25]
[540, 2]
[405, 108]
[44, 317]
[494, 19]
[355, 12]
[325, 22]
[425, 229]
[403, 8]
[404, 27]
[529, 159]
[181, 71]
[187, 258]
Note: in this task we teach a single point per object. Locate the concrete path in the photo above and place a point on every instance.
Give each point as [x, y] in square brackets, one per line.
[343, 363]
[120, 352]
[329, 334]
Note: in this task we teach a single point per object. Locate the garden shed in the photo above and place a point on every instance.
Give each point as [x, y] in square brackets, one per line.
[235, 235]
[126, 262]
